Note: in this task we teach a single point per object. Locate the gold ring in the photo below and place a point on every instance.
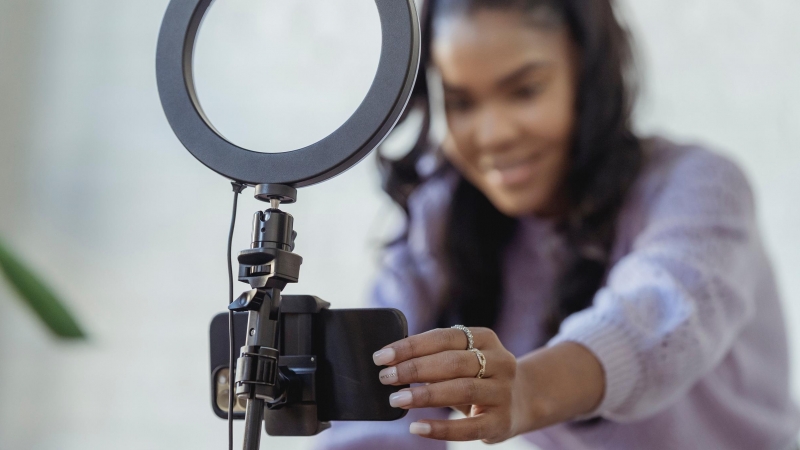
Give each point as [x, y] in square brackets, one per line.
[466, 331]
[481, 360]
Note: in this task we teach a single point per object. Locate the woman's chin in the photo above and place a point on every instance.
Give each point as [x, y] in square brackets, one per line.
[520, 203]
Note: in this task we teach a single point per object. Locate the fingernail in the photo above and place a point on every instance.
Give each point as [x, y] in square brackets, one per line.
[388, 375]
[400, 399]
[419, 428]
[383, 357]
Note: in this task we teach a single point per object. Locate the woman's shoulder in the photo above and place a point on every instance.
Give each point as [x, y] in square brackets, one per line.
[690, 178]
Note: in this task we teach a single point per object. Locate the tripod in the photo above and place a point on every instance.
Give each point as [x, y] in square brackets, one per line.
[266, 378]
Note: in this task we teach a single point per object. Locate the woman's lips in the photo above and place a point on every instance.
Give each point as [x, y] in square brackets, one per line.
[512, 174]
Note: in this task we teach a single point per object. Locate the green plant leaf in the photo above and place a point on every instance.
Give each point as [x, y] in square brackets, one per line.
[39, 297]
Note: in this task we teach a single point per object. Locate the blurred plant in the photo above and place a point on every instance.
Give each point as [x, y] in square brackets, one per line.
[39, 297]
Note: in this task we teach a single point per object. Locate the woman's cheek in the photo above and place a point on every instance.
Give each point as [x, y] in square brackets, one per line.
[459, 128]
[458, 151]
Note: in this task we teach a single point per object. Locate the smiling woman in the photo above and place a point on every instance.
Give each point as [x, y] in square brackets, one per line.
[615, 285]
[509, 107]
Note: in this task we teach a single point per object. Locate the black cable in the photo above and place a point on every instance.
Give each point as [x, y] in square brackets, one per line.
[237, 189]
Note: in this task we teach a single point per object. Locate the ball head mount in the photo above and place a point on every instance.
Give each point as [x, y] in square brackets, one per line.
[271, 382]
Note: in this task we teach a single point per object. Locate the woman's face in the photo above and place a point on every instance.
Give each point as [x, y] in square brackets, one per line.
[510, 91]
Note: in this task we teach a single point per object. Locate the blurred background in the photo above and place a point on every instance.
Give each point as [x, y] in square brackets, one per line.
[101, 199]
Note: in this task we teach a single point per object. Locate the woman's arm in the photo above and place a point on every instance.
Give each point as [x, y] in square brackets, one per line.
[674, 305]
[560, 383]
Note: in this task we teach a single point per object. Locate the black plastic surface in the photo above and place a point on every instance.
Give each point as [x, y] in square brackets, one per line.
[348, 386]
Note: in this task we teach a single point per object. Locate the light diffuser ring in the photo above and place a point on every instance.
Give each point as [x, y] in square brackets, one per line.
[347, 145]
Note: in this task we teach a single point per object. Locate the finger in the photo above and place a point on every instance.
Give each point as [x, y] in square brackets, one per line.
[467, 429]
[434, 341]
[466, 410]
[460, 392]
[442, 366]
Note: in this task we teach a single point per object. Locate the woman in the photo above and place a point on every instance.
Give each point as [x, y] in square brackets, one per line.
[631, 302]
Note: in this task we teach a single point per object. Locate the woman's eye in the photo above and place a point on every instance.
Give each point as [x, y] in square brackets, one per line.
[458, 104]
[526, 93]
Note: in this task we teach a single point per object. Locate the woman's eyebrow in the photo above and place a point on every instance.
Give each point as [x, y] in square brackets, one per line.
[517, 74]
[505, 80]
[453, 90]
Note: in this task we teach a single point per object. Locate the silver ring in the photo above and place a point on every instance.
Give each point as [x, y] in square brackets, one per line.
[481, 360]
[470, 340]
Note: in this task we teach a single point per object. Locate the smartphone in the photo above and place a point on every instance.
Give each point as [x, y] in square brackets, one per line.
[343, 341]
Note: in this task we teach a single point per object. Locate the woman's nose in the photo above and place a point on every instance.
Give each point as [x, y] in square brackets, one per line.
[494, 129]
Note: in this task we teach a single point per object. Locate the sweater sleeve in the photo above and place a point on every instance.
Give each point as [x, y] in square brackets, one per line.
[408, 281]
[672, 307]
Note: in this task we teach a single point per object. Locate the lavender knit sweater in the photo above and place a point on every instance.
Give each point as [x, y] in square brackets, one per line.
[687, 326]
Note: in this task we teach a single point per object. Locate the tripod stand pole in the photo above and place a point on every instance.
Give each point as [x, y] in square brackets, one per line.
[267, 266]
[261, 341]
[252, 424]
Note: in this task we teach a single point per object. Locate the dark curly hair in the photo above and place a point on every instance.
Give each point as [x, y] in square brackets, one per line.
[605, 159]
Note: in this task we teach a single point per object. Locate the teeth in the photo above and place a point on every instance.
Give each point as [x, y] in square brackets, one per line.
[494, 177]
[487, 164]
[510, 165]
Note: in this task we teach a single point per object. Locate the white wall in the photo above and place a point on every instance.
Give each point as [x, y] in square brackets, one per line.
[97, 193]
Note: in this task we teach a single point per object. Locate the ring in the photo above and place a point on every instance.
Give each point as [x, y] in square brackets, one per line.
[470, 340]
[481, 360]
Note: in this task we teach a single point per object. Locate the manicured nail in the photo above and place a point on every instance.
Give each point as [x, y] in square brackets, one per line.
[388, 375]
[383, 357]
[419, 428]
[400, 399]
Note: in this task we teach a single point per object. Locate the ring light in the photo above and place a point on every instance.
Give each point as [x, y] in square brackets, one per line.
[346, 146]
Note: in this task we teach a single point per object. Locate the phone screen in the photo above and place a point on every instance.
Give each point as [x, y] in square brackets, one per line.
[348, 386]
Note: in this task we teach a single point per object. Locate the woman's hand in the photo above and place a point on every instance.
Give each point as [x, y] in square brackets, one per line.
[514, 396]
[439, 357]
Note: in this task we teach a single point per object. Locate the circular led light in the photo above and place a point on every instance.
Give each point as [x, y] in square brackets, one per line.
[360, 134]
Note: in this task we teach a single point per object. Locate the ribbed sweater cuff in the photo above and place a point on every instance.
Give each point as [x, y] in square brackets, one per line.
[615, 353]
